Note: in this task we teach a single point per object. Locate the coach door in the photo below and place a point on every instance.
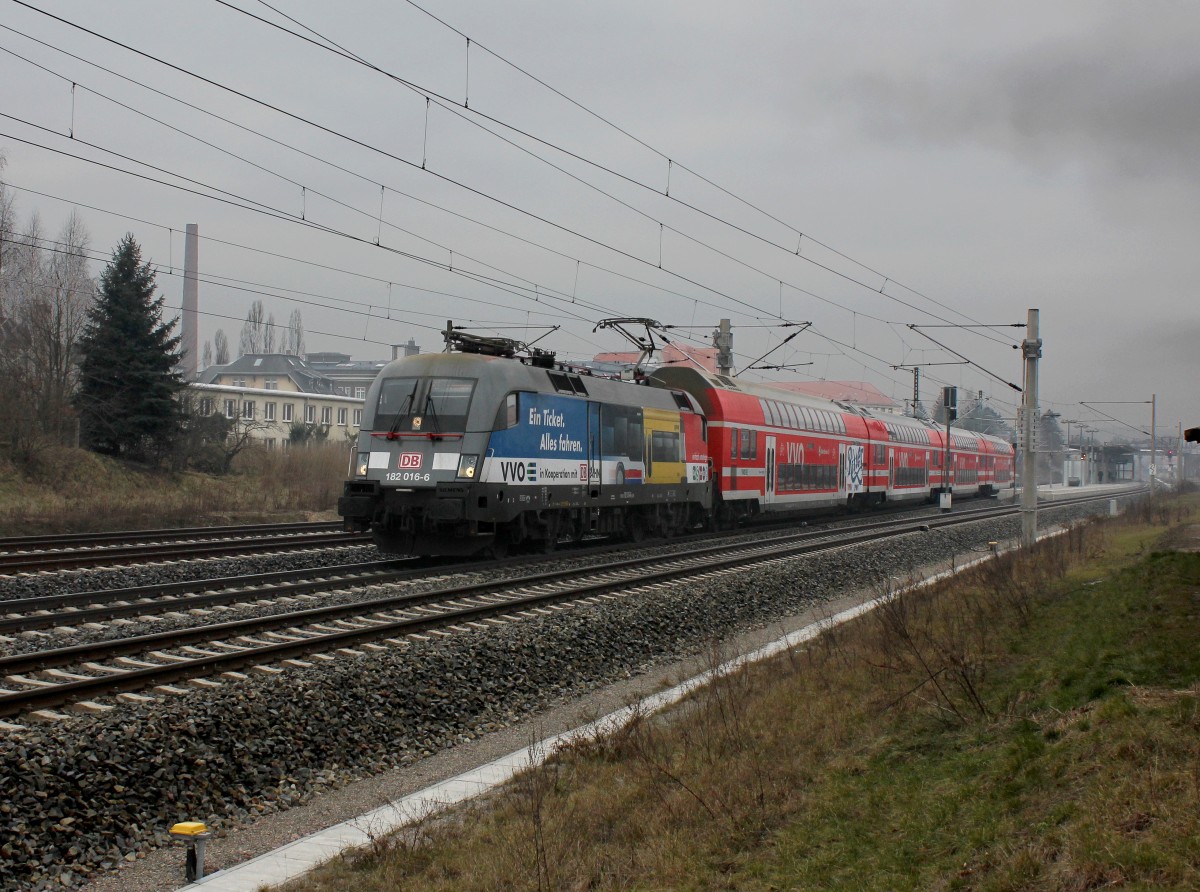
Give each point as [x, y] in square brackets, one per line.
[769, 493]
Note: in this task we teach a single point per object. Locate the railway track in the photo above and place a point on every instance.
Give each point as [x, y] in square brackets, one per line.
[29, 554]
[78, 608]
[122, 537]
[80, 674]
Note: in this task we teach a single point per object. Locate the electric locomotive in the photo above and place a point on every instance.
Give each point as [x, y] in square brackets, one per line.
[482, 449]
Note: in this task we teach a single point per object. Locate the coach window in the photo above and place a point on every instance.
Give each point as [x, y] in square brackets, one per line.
[745, 451]
[733, 442]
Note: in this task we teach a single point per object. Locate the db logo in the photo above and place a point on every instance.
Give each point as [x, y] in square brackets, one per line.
[410, 460]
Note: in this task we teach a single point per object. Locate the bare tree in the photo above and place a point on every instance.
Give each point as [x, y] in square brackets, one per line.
[206, 357]
[46, 288]
[253, 330]
[295, 335]
[59, 321]
[269, 335]
[221, 346]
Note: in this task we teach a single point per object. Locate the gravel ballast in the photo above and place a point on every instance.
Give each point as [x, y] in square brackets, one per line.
[87, 795]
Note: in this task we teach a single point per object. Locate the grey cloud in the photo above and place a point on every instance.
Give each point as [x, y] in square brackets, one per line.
[1122, 98]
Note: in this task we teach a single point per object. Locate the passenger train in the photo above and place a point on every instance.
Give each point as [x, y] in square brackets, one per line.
[482, 449]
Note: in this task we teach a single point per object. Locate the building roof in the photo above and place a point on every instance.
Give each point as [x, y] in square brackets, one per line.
[283, 365]
[671, 354]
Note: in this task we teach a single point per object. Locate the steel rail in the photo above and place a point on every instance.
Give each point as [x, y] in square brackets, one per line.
[106, 555]
[256, 653]
[41, 541]
[304, 642]
[45, 611]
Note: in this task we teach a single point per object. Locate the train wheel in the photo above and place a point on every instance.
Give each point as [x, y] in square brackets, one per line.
[636, 528]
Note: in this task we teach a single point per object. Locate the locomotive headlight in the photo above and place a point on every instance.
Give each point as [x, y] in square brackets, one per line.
[467, 465]
[360, 466]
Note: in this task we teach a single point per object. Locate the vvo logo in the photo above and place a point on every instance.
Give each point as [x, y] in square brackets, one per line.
[518, 471]
[409, 460]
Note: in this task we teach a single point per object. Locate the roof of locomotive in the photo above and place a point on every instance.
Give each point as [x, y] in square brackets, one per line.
[499, 375]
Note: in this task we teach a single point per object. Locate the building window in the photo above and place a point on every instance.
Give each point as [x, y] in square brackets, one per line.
[287, 412]
[230, 408]
[360, 393]
[344, 391]
[270, 383]
[342, 417]
[310, 414]
[269, 411]
[205, 406]
[248, 410]
[239, 382]
[269, 442]
[327, 415]
[358, 417]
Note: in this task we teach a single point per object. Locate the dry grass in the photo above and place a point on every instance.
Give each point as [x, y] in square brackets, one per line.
[1032, 724]
[68, 489]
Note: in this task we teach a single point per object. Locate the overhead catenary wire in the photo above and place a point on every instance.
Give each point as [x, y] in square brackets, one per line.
[274, 254]
[329, 45]
[304, 189]
[384, 153]
[536, 289]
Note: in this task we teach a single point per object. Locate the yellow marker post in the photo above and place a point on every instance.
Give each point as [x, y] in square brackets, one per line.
[196, 835]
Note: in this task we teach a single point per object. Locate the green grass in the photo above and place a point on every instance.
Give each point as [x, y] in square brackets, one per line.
[1034, 724]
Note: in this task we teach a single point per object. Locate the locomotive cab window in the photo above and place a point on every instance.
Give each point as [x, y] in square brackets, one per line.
[440, 404]
[397, 396]
[508, 414]
[447, 403]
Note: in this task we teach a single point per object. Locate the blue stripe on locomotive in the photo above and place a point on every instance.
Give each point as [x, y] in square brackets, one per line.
[549, 443]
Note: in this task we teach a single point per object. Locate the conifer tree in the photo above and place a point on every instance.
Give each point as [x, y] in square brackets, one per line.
[129, 381]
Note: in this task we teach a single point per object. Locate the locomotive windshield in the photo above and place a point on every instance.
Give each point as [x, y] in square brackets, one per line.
[427, 405]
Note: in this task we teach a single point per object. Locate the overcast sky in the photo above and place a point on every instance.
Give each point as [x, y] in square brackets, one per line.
[945, 162]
